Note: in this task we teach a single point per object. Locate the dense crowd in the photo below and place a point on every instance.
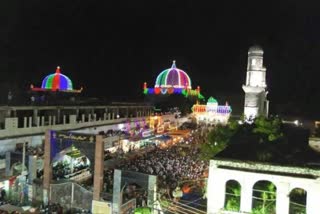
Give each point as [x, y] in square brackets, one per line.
[172, 165]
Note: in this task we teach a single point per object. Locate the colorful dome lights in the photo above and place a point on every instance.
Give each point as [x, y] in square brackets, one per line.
[56, 82]
[173, 81]
[173, 77]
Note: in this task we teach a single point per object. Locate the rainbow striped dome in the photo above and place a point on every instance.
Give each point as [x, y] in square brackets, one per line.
[57, 81]
[173, 77]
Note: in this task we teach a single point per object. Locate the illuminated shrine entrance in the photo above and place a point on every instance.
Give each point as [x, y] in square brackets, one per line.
[88, 154]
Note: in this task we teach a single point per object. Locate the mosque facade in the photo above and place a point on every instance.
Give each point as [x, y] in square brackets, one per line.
[211, 113]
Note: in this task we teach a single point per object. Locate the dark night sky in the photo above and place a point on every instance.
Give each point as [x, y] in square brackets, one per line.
[111, 47]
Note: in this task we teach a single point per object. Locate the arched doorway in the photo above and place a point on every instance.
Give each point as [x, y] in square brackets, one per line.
[264, 195]
[298, 201]
[232, 196]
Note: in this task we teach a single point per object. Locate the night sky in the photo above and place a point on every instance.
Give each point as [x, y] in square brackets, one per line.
[111, 47]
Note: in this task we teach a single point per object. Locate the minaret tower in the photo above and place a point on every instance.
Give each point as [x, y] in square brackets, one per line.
[256, 102]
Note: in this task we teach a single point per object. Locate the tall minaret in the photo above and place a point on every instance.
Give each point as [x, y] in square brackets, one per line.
[256, 102]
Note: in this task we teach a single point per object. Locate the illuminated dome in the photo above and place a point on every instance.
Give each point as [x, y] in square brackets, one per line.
[173, 77]
[57, 81]
[211, 100]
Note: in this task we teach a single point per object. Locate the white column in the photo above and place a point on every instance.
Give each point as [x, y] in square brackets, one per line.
[94, 117]
[246, 196]
[82, 118]
[53, 120]
[215, 191]
[283, 199]
[50, 120]
[30, 122]
[42, 121]
[104, 116]
[64, 119]
[313, 195]
[38, 121]
[25, 122]
[109, 117]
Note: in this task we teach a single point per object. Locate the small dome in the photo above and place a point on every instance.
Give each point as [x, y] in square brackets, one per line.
[57, 81]
[255, 49]
[173, 77]
[211, 100]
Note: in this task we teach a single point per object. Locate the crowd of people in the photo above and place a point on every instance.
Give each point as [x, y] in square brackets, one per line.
[173, 166]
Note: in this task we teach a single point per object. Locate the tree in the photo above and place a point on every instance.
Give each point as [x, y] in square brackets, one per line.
[269, 129]
[218, 139]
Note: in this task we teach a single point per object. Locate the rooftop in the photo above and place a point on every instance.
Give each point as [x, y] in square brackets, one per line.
[294, 152]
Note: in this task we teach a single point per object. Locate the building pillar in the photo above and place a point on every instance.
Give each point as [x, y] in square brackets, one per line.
[25, 119]
[50, 120]
[283, 200]
[58, 116]
[98, 168]
[53, 120]
[313, 195]
[104, 116]
[64, 119]
[8, 164]
[83, 118]
[112, 115]
[35, 116]
[117, 112]
[246, 196]
[47, 173]
[38, 121]
[30, 122]
[216, 191]
[109, 116]
[127, 112]
[94, 117]
[32, 168]
[42, 121]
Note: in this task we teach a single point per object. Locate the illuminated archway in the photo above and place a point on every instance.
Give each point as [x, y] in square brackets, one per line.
[298, 201]
[232, 195]
[264, 195]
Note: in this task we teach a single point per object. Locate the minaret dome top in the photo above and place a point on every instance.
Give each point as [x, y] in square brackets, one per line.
[255, 50]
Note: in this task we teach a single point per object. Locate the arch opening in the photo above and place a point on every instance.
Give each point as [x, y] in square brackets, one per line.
[264, 195]
[232, 196]
[298, 201]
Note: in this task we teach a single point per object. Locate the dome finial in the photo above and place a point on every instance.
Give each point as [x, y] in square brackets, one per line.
[174, 64]
[58, 69]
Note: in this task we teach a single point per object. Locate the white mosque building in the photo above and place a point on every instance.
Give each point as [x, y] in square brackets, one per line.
[211, 113]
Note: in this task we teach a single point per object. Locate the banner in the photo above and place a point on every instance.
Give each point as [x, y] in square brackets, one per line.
[61, 140]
